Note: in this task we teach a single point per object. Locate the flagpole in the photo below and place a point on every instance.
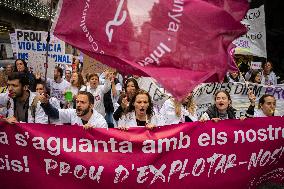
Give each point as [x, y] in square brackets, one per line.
[48, 40]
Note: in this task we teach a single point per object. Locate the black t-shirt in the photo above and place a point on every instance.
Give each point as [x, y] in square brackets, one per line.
[140, 123]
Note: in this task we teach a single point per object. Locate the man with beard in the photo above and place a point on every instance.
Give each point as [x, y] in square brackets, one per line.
[83, 115]
[58, 85]
[20, 102]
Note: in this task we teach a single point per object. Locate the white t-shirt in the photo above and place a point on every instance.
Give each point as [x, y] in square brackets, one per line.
[57, 90]
[169, 115]
[99, 95]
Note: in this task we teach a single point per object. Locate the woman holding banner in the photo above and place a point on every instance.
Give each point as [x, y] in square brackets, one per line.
[221, 109]
[140, 113]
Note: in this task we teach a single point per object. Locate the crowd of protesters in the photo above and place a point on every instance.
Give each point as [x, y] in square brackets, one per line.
[106, 101]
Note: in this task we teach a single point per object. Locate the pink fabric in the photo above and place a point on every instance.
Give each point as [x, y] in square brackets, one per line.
[240, 168]
[184, 42]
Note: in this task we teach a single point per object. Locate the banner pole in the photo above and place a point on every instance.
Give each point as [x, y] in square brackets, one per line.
[48, 39]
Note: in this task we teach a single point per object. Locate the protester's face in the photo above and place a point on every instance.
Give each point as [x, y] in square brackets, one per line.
[234, 74]
[20, 66]
[9, 69]
[82, 105]
[15, 88]
[267, 67]
[67, 75]
[77, 61]
[222, 101]
[141, 104]
[268, 107]
[56, 74]
[257, 78]
[74, 79]
[94, 82]
[130, 88]
[40, 89]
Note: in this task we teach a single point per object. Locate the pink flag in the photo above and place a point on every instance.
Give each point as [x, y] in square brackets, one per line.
[180, 43]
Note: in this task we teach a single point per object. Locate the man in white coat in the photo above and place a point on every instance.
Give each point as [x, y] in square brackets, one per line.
[21, 103]
[83, 115]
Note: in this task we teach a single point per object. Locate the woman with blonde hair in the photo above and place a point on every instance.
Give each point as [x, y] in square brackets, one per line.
[191, 115]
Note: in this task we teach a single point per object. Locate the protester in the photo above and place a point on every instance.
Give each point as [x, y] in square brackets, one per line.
[58, 86]
[9, 69]
[41, 90]
[140, 113]
[110, 98]
[268, 76]
[3, 82]
[68, 75]
[21, 66]
[221, 109]
[255, 77]
[266, 105]
[77, 82]
[98, 91]
[173, 112]
[20, 102]
[3, 89]
[76, 65]
[83, 115]
[190, 115]
[130, 90]
[233, 76]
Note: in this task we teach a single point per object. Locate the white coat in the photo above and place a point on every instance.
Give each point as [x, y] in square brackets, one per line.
[129, 120]
[70, 116]
[40, 116]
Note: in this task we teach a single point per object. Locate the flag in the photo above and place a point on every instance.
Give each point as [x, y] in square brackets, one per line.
[180, 43]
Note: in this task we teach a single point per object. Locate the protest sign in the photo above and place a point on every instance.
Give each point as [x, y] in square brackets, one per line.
[35, 41]
[230, 154]
[254, 41]
[93, 66]
[204, 95]
[255, 65]
[31, 46]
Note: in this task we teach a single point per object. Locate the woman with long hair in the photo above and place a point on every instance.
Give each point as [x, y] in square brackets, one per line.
[131, 86]
[21, 66]
[255, 77]
[77, 82]
[268, 76]
[140, 112]
[221, 109]
[266, 106]
[190, 115]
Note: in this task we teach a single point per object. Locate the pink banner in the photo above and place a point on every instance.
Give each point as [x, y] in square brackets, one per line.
[229, 154]
[180, 43]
